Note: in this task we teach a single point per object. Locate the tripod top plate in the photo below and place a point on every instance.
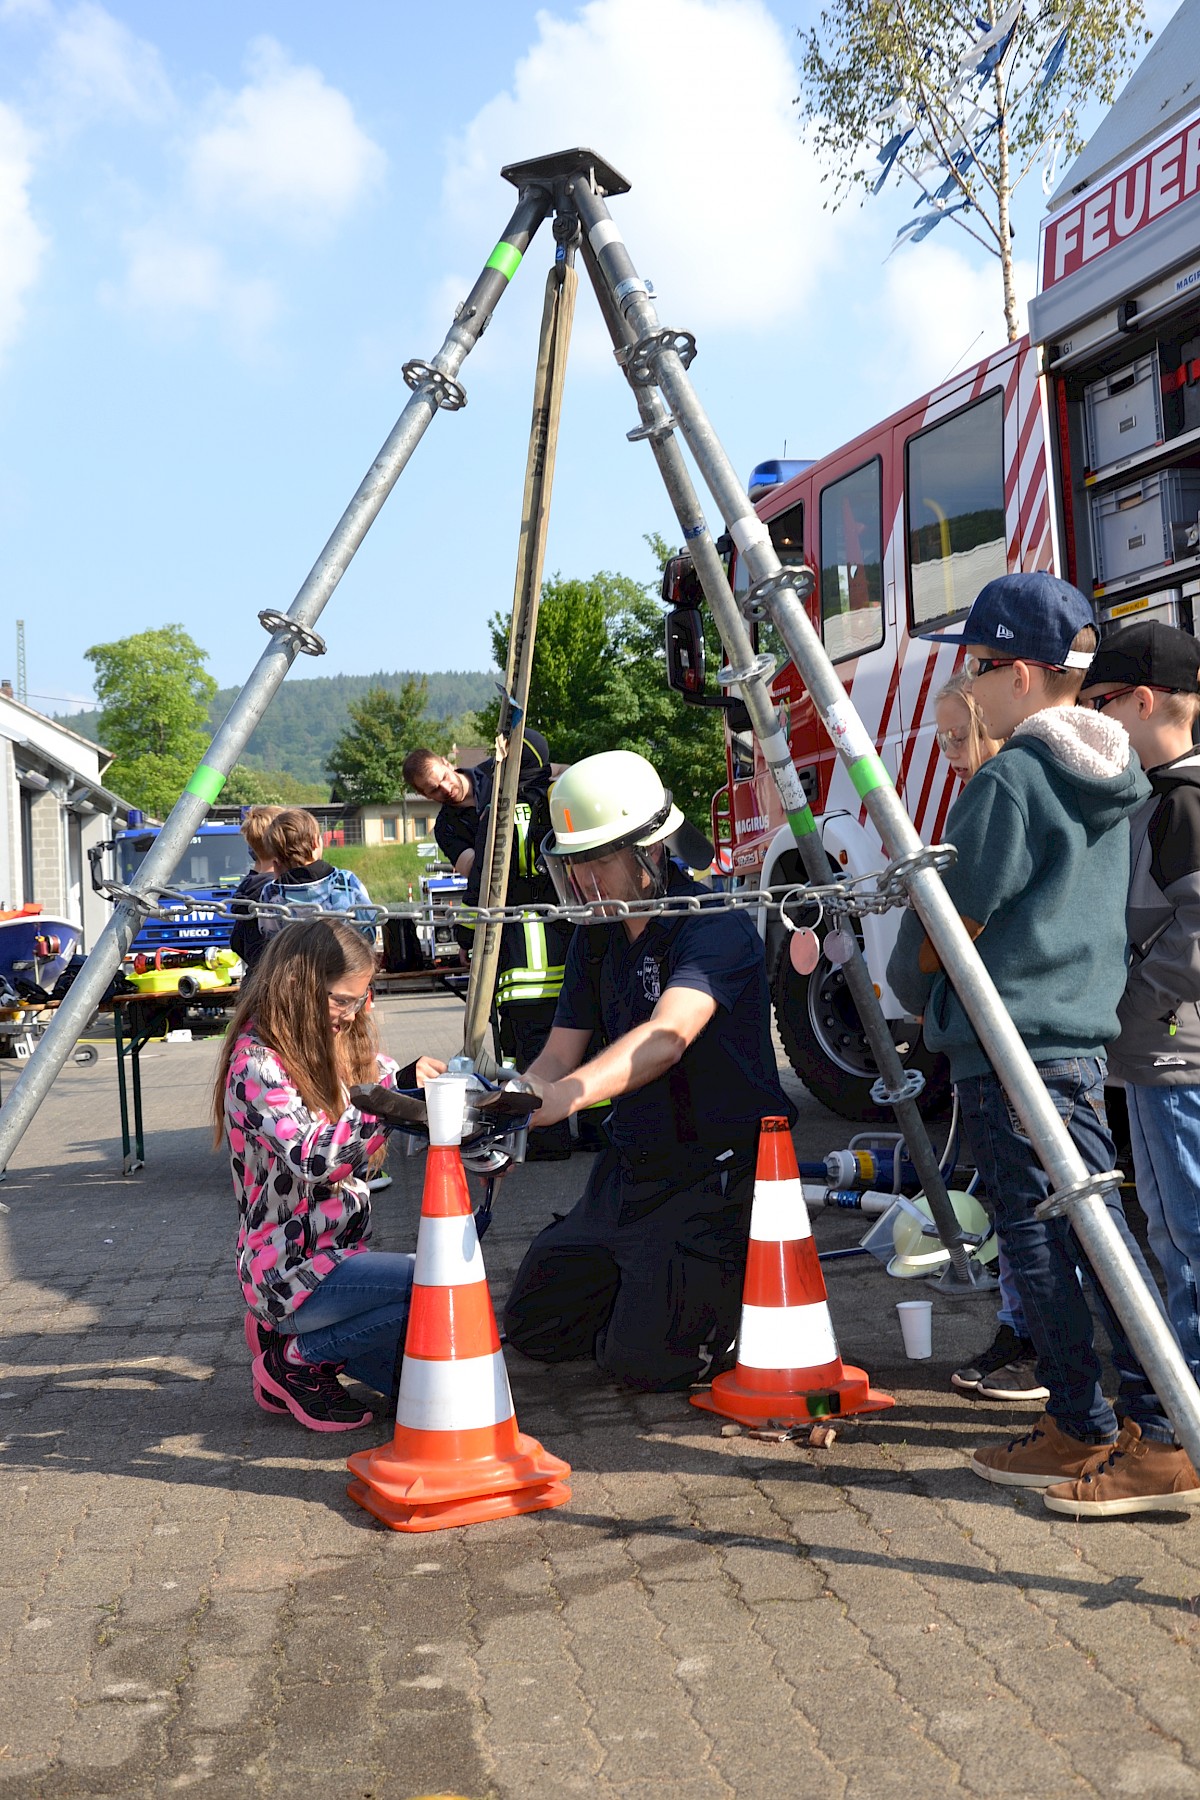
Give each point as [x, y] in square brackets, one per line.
[561, 166]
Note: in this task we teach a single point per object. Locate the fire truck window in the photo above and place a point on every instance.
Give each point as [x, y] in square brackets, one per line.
[742, 745]
[787, 534]
[954, 500]
[852, 563]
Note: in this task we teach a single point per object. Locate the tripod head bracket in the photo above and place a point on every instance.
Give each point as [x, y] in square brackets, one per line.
[557, 171]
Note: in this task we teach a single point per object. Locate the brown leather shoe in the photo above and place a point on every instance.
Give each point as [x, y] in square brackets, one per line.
[1136, 1475]
[1041, 1457]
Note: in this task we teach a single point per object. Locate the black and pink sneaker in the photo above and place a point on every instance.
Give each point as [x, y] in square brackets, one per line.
[311, 1393]
[258, 1336]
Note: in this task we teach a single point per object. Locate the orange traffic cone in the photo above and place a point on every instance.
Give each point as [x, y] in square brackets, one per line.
[788, 1367]
[456, 1456]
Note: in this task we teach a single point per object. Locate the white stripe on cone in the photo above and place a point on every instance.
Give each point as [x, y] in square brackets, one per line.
[448, 1253]
[455, 1394]
[779, 1214]
[785, 1337]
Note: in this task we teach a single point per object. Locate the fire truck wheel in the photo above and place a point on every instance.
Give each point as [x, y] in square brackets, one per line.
[827, 1047]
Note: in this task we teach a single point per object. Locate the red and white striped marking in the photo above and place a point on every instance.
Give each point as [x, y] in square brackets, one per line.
[465, 1394]
[787, 1337]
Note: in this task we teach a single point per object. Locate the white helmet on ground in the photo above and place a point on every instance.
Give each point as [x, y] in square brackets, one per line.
[615, 829]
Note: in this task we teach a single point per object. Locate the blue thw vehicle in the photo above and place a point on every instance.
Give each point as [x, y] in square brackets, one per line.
[208, 871]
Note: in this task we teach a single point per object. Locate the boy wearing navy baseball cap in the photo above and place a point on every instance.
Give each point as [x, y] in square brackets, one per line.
[1043, 864]
[1147, 678]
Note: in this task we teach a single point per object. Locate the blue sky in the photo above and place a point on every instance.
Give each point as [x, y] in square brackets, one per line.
[223, 229]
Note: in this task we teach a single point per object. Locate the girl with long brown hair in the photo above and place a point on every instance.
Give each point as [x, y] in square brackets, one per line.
[319, 1300]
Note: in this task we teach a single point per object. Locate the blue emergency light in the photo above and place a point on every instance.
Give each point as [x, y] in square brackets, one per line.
[771, 474]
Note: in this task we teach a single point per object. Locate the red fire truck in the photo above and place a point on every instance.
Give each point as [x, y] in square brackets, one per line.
[1076, 449]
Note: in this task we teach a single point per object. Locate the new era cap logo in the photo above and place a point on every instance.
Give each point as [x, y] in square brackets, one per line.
[1002, 631]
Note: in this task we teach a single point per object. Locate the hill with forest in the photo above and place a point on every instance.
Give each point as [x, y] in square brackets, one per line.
[307, 715]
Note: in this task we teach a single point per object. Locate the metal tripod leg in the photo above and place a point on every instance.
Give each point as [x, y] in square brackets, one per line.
[661, 358]
[433, 386]
[751, 676]
[553, 346]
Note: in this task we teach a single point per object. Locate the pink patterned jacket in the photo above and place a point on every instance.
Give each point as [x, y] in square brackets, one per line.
[303, 1202]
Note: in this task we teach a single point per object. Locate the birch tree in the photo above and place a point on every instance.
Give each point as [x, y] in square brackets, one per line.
[960, 107]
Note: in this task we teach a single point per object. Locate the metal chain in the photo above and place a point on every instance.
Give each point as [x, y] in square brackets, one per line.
[852, 896]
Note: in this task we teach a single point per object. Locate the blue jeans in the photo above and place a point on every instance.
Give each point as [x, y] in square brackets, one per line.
[1164, 1126]
[1043, 1253]
[358, 1317]
[1010, 1311]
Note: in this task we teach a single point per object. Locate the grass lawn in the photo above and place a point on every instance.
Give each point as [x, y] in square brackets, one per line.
[385, 870]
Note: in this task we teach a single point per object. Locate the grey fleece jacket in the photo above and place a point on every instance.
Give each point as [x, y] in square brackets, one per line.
[1043, 866]
[1162, 918]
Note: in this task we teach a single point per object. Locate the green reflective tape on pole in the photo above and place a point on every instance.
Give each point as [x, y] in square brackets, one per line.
[802, 822]
[505, 258]
[868, 773]
[206, 783]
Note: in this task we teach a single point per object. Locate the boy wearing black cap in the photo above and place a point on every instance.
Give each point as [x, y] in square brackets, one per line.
[1147, 678]
[1043, 866]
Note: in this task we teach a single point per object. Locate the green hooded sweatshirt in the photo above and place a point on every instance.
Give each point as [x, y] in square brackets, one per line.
[1043, 865]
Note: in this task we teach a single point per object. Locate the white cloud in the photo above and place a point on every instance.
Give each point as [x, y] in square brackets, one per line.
[692, 100]
[22, 244]
[937, 312]
[95, 67]
[170, 277]
[286, 149]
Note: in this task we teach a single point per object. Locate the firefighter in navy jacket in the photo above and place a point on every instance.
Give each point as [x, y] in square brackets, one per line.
[645, 1273]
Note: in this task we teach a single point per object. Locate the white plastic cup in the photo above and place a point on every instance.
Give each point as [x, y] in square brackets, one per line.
[916, 1327]
[446, 1102]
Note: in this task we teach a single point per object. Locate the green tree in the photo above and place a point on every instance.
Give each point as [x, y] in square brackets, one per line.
[574, 684]
[599, 683]
[153, 691]
[252, 787]
[366, 762]
[903, 79]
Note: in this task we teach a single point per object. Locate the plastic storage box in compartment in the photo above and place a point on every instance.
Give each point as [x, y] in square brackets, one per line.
[1145, 523]
[1124, 412]
[1167, 605]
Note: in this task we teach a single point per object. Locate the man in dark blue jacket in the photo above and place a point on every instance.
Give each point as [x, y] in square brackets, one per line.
[645, 1273]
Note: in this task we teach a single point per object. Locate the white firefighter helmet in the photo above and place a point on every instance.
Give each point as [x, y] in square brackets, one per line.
[605, 805]
[917, 1253]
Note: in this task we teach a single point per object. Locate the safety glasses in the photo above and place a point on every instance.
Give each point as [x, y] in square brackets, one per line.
[348, 1005]
[983, 665]
[1098, 702]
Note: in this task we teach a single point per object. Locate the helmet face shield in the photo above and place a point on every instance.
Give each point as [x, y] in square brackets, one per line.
[605, 877]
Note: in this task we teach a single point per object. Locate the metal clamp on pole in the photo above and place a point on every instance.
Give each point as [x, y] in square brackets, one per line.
[912, 1085]
[308, 643]
[1063, 1199]
[640, 362]
[892, 883]
[653, 433]
[437, 386]
[761, 669]
[756, 602]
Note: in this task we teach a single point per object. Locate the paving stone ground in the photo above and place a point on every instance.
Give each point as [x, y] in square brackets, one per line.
[188, 1600]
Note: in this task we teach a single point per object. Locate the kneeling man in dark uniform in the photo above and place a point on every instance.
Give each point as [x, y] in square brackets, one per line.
[645, 1273]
